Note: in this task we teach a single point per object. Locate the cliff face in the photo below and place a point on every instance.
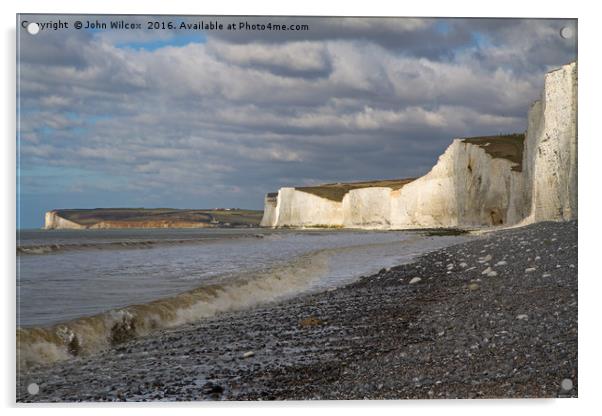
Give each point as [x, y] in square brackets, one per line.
[367, 208]
[484, 181]
[53, 221]
[467, 187]
[551, 151]
[148, 224]
[299, 208]
[270, 211]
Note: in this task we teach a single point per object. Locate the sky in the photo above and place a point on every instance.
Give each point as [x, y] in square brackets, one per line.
[209, 118]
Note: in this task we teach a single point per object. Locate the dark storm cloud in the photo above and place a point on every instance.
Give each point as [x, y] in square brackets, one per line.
[223, 121]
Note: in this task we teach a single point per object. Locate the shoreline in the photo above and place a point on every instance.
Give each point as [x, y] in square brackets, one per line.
[455, 333]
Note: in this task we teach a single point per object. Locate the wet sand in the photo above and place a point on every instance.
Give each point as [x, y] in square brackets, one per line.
[491, 318]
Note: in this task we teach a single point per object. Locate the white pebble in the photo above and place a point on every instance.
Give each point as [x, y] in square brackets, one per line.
[501, 263]
[487, 271]
[415, 280]
[485, 259]
[248, 354]
[521, 317]
[530, 269]
[463, 265]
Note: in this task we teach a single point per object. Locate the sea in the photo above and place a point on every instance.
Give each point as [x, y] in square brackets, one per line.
[82, 291]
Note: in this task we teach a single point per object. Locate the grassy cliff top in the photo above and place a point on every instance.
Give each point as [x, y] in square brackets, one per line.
[508, 146]
[89, 217]
[336, 191]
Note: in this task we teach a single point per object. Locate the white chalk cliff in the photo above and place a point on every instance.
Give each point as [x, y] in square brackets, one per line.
[485, 181]
[551, 149]
[53, 221]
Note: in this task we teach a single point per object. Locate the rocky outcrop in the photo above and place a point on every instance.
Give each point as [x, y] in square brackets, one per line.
[482, 181]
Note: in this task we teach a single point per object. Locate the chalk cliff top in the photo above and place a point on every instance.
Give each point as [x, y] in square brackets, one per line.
[336, 191]
[508, 146]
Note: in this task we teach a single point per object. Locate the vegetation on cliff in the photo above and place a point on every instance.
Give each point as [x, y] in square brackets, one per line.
[506, 146]
[336, 191]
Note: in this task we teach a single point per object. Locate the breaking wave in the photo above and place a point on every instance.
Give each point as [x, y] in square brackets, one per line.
[87, 335]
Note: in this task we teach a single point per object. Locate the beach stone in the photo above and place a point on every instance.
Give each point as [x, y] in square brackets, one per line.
[485, 259]
[415, 280]
[530, 269]
[248, 354]
[212, 388]
[309, 322]
[473, 286]
[522, 317]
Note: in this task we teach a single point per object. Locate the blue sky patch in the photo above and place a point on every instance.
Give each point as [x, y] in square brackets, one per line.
[154, 44]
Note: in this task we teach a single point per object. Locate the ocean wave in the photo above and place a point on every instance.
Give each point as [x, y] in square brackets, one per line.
[87, 335]
[118, 245]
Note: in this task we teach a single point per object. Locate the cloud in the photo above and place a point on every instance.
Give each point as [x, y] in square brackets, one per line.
[303, 59]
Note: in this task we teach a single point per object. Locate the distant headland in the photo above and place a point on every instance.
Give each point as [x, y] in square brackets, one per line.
[98, 218]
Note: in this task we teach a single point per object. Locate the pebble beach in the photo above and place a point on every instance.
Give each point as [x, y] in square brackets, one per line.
[495, 317]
